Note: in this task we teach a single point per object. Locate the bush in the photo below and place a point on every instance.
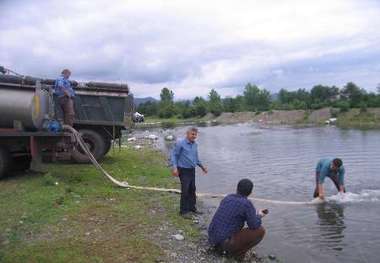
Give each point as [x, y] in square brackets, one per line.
[334, 113]
[363, 107]
[343, 106]
[168, 124]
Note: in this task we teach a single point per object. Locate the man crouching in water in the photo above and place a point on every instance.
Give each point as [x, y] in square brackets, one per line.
[226, 232]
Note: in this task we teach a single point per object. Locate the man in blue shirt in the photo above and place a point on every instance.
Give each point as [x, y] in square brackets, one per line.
[332, 168]
[184, 159]
[65, 96]
[226, 232]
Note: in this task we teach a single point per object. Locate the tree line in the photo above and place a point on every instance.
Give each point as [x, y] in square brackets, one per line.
[257, 100]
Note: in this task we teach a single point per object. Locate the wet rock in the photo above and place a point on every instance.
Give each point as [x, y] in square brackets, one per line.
[152, 137]
[178, 237]
[272, 257]
[132, 139]
[137, 147]
[169, 137]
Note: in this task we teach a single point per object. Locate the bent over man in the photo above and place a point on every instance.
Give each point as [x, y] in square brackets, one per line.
[333, 169]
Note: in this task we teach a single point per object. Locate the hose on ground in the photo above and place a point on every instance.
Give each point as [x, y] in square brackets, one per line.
[125, 184]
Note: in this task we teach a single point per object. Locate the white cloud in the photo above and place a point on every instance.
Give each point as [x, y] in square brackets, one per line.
[190, 46]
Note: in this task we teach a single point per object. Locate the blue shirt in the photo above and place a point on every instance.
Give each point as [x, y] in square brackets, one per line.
[185, 154]
[62, 84]
[234, 210]
[324, 169]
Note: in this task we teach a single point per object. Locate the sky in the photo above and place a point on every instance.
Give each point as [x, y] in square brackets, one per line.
[194, 46]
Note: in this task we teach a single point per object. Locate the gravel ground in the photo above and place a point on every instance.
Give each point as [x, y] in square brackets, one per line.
[187, 250]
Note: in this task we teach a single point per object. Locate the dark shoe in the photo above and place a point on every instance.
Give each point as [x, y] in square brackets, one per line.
[186, 216]
[197, 212]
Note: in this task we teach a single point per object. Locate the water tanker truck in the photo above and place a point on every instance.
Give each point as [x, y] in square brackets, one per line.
[28, 112]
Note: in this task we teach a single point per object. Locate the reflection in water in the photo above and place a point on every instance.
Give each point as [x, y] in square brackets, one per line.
[331, 222]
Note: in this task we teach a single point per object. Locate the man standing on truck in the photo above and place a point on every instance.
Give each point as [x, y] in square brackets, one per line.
[184, 159]
[65, 94]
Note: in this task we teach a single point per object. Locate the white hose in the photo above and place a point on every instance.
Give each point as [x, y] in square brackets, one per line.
[125, 184]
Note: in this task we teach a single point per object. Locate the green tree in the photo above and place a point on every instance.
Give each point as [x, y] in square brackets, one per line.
[264, 100]
[251, 95]
[183, 108]
[353, 94]
[199, 107]
[323, 94]
[285, 97]
[166, 95]
[215, 103]
[229, 104]
[166, 105]
[256, 99]
[149, 108]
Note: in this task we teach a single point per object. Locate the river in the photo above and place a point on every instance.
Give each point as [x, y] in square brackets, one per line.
[281, 162]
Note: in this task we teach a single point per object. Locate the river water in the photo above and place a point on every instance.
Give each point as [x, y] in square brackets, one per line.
[281, 162]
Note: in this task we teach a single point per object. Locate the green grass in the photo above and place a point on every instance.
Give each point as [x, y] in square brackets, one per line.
[74, 214]
[356, 119]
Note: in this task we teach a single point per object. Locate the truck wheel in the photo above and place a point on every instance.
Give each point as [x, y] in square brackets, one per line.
[107, 147]
[21, 163]
[5, 161]
[94, 141]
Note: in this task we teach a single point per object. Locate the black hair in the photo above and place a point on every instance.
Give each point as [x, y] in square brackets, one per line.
[245, 187]
[338, 162]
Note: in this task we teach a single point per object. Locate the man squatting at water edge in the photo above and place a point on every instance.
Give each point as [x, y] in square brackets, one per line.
[227, 232]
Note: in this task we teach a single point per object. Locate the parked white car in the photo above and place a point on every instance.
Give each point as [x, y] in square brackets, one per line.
[138, 117]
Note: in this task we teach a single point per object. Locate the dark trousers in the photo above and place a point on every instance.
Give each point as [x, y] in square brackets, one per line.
[239, 244]
[188, 198]
[333, 178]
[67, 106]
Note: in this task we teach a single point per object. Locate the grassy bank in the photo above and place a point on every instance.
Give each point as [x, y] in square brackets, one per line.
[354, 118]
[155, 122]
[74, 214]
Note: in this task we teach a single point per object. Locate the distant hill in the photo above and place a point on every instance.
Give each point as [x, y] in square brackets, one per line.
[138, 101]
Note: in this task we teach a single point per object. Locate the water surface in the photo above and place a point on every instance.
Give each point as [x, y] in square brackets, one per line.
[281, 162]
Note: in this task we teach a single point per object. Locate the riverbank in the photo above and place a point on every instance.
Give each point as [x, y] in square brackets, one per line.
[74, 214]
[354, 118]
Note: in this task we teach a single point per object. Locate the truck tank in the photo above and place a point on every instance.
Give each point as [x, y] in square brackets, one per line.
[24, 105]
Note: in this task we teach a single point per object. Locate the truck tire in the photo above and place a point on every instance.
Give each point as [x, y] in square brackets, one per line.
[107, 147]
[5, 161]
[95, 142]
[21, 163]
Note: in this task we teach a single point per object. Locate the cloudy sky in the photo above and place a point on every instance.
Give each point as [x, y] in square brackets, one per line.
[194, 46]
